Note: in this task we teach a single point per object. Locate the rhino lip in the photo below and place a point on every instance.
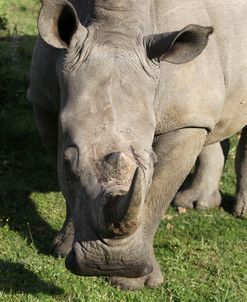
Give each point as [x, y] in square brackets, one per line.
[84, 263]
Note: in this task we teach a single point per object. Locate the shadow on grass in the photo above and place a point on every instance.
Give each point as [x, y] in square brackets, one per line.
[24, 166]
[227, 202]
[24, 169]
[15, 278]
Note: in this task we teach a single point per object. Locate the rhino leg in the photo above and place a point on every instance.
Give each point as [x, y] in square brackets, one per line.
[47, 126]
[204, 192]
[240, 205]
[170, 171]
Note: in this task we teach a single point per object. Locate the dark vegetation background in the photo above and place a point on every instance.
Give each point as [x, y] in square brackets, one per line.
[203, 255]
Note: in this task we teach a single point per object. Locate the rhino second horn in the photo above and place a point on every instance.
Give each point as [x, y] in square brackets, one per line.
[119, 165]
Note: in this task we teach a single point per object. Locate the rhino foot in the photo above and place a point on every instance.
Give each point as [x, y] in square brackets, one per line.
[240, 206]
[200, 200]
[62, 244]
[152, 280]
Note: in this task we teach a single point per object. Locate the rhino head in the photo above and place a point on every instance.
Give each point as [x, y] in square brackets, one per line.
[108, 78]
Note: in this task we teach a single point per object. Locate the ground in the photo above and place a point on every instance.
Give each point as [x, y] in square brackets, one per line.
[203, 255]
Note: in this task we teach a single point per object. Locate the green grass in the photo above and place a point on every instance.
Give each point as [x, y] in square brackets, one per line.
[202, 255]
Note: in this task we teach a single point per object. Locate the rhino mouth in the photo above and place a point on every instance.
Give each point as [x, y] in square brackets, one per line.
[97, 258]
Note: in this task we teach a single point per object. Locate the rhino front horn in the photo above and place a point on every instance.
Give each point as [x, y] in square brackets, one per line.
[122, 213]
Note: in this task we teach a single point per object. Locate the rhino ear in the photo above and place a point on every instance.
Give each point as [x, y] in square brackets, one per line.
[180, 46]
[58, 23]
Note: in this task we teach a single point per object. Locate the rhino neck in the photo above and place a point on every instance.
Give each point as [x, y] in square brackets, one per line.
[128, 16]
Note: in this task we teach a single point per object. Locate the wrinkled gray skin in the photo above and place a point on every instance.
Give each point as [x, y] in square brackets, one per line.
[204, 192]
[126, 119]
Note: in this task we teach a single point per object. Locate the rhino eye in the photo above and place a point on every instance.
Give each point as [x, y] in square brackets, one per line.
[71, 157]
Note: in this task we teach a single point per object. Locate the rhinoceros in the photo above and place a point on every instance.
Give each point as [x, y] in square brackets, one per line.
[126, 94]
